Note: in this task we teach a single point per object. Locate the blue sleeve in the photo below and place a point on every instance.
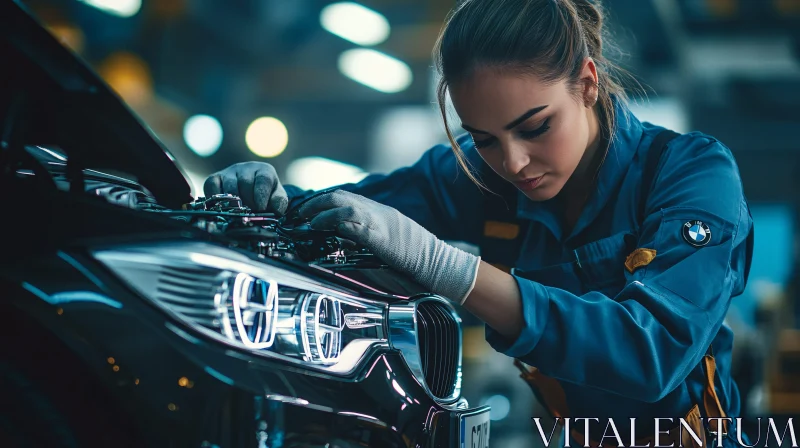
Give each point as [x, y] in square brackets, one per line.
[644, 342]
[435, 192]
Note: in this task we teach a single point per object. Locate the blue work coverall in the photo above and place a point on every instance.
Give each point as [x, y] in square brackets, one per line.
[622, 344]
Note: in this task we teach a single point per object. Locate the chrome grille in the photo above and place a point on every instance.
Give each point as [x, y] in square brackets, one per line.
[439, 342]
[189, 290]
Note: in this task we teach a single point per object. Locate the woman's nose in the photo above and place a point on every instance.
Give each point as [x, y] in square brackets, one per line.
[515, 158]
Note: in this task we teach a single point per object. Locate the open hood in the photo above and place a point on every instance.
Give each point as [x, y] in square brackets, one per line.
[50, 97]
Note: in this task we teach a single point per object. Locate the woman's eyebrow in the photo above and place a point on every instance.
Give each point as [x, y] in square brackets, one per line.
[511, 125]
[525, 116]
[472, 130]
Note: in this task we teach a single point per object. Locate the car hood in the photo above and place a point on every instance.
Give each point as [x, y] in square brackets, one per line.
[49, 96]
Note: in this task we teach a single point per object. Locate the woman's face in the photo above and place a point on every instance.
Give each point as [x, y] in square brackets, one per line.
[532, 134]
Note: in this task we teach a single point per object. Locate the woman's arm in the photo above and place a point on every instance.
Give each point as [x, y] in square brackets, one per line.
[496, 300]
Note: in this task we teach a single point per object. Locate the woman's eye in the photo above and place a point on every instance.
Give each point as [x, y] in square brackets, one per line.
[536, 132]
[482, 143]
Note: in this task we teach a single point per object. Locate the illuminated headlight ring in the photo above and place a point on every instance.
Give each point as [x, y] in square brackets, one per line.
[321, 325]
[248, 310]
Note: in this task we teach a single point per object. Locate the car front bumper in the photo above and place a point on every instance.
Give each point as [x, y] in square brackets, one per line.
[109, 367]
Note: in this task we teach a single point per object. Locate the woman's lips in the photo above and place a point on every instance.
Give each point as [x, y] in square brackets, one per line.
[529, 184]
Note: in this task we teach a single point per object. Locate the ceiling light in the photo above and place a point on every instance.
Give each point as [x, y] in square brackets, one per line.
[376, 70]
[317, 173]
[267, 137]
[355, 22]
[121, 8]
[203, 134]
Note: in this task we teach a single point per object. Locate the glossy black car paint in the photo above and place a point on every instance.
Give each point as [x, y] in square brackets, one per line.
[84, 360]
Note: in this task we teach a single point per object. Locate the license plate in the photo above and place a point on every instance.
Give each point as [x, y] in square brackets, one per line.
[475, 430]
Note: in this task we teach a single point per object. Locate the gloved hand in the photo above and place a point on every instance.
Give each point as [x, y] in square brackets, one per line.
[256, 183]
[397, 240]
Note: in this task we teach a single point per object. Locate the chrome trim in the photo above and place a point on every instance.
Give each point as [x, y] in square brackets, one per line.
[403, 336]
[363, 320]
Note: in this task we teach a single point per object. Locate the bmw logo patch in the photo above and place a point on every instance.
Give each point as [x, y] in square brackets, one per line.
[696, 233]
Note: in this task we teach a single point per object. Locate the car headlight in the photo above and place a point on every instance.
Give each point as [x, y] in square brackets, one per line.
[256, 306]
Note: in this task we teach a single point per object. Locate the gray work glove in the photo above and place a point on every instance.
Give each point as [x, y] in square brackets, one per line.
[397, 240]
[256, 183]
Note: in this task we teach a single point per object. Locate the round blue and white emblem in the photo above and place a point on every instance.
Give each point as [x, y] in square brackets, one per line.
[696, 233]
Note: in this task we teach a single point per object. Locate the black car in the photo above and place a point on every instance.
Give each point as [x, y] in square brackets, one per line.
[136, 315]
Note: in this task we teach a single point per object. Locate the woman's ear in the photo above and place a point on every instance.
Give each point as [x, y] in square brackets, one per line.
[589, 80]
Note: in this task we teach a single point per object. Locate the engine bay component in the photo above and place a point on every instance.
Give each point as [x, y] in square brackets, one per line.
[272, 236]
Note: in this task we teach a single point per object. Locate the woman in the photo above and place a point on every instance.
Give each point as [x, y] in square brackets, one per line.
[627, 243]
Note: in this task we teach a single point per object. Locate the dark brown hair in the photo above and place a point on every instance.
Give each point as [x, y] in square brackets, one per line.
[547, 38]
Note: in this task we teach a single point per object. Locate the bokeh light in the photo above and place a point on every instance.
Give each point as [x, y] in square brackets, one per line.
[69, 35]
[376, 70]
[121, 8]
[267, 137]
[316, 173]
[203, 134]
[355, 23]
[129, 76]
[501, 406]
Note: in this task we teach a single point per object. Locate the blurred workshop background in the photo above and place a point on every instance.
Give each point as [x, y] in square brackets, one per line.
[328, 91]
